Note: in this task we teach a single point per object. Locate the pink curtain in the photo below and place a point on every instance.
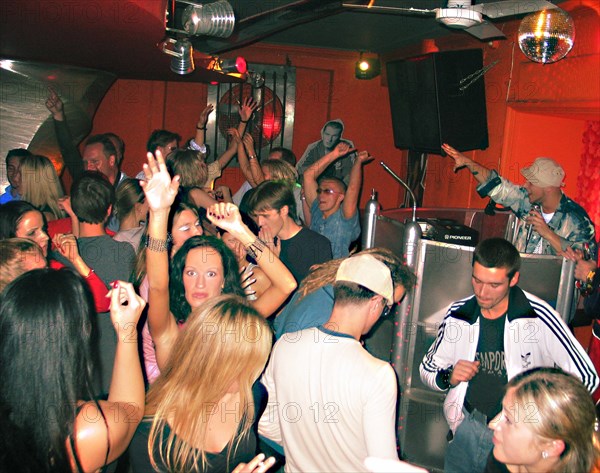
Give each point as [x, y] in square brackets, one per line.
[588, 181]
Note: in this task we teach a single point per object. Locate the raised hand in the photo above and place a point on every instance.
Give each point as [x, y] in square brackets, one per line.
[460, 160]
[247, 108]
[226, 216]
[204, 115]
[125, 307]
[265, 235]
[65, 204]
[54, 104]
[66, 244]
[160, 190]
[363, 157]
[342, 149]
[234, 134]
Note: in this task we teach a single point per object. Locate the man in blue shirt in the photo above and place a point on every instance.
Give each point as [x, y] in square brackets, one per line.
[13, 174]
[333, 207]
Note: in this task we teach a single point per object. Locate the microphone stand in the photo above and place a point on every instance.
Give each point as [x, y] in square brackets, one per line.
[412, 233]
[408, 189]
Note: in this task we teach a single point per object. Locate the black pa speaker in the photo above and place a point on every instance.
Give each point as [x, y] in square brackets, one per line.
[438, 98]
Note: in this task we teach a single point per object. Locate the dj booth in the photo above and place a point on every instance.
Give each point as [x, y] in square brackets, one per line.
[442, 261]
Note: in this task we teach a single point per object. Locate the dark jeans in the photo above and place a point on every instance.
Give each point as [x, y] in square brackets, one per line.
[469, 449]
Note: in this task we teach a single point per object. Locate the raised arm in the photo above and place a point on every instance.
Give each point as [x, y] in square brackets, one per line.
[480, 173]
[201, 125]
[160, 191]
[312, 173]
[125, 406]
[350, 202]
[244, 161]
[227, 217]
[253, 164]
[201, 198]
[246, 110]
[66, 245]
[70, 153]
[65, 204]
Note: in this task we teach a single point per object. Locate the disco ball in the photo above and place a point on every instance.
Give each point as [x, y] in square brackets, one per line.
[546, 36]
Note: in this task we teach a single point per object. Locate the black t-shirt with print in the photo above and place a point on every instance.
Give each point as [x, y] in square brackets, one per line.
[486, 388]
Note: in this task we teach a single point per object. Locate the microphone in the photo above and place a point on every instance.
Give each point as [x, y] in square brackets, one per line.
[535, 207]
[490, 208]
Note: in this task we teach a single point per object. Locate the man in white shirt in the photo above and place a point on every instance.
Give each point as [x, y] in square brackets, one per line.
[332, 404]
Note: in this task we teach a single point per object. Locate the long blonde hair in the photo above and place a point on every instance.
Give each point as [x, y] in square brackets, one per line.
[225, 341]
[41, 185]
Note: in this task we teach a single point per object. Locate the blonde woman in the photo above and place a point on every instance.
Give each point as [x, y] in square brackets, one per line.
[201, 411]
[41, 186]
[547, 424]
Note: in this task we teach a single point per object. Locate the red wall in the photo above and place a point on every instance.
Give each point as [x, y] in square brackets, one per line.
[325, 89]
[533, 109]
[520, 128]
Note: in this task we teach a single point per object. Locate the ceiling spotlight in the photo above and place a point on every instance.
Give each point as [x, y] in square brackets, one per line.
[368, 68]
[183, 55]
[212, 19]
[237, 65]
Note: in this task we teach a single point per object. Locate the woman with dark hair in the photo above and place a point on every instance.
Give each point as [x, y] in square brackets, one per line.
[179, 304]
[202, 268]
[183, 223]
[50, 419]
[21, 219]
[547, 424]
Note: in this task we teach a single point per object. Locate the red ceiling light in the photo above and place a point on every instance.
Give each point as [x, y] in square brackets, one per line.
[237, 65]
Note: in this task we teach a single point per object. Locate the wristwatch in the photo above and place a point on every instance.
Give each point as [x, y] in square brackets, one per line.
[444, 377]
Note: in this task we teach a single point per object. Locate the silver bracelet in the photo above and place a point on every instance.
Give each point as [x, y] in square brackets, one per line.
[256, 247]
[157, 245]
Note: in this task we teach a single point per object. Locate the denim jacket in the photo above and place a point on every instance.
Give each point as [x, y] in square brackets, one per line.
[570, 221]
